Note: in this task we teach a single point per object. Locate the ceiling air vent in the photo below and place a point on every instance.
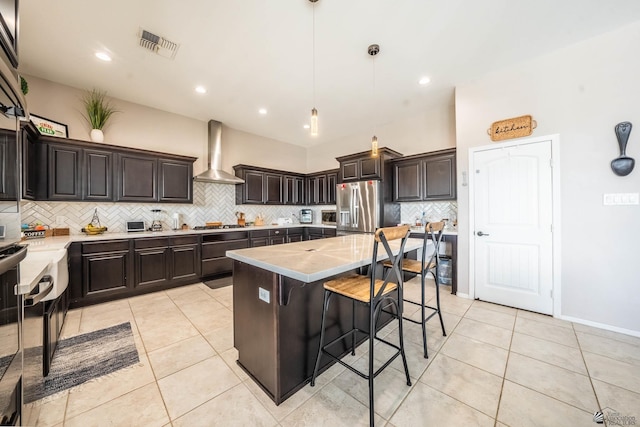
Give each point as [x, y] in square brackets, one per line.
[158, 44]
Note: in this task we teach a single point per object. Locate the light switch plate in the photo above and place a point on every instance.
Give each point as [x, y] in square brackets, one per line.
[611, 199]
[264, 295]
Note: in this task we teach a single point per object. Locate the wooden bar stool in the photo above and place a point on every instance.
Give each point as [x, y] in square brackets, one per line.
[374, 293]
[432, 231]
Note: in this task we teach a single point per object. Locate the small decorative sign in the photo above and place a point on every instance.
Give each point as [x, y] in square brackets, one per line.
[516, 127]
[49, 127]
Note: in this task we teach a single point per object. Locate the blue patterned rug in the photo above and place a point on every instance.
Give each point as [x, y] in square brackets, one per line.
[82, 358]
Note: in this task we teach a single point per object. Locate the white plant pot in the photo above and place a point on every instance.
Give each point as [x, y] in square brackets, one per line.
[97, 135]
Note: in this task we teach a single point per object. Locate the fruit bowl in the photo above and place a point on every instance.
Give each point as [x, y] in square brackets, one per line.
[92, 231]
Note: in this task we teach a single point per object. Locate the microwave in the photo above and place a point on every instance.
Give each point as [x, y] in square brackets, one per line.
[328, 217]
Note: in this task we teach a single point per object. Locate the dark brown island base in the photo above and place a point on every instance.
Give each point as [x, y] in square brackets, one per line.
[277, 306]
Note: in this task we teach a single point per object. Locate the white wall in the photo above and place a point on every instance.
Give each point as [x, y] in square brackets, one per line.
[581, 93]
[431, 130]
[151, 129]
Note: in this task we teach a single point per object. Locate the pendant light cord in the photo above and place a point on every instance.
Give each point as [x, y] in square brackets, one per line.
[373, 94]
[313, 49]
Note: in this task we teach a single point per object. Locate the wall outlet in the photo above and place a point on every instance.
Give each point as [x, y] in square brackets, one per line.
[264, 295]
[611, 199]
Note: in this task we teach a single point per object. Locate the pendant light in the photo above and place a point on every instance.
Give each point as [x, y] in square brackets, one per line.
[373, 51]
[314, 112]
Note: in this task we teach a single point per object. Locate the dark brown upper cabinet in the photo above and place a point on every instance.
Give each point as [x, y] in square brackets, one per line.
[362, 166]
[321, 187]
[8, 164]
[64, 169]
[425, 177]
[137, 178]
[265, 186]
[294, 190]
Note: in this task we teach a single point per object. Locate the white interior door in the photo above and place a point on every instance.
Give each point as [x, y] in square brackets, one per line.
[513, 211]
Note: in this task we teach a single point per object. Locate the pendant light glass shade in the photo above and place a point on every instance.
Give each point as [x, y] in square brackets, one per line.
[374, 146]
[314, 122]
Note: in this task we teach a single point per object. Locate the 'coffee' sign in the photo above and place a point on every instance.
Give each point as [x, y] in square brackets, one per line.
[516, 127]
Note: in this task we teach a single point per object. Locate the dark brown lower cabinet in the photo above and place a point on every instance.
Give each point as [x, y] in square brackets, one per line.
[214, 247]
[313, 233]
[105, 268]
[184, 259]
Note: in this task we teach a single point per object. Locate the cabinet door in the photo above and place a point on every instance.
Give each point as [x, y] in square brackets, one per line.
[350, 170]
[312, 190]
[322, 189]
[260, 241]
[253, 187]
[184, 262]
[98, 175]
[294, 238]
[31, 166]
[370, 168]
[151, 266]
[440, 178]
[273, 189]
[176, 181]
[8, 163]
[293, 190]
[64, 172]
[137, 178]
[407, 181]
[332, 182]
[277, 240]
[104, 273]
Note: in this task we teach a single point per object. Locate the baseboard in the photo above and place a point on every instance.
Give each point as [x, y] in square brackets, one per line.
[461, 295]
[601, 326]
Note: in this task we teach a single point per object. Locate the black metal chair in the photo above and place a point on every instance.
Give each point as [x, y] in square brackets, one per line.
[375, 293]
[427, 264]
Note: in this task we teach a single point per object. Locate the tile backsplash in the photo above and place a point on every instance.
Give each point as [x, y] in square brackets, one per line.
[211, 202]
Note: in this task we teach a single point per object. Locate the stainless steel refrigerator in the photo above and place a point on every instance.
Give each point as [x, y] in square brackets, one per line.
[364, 206]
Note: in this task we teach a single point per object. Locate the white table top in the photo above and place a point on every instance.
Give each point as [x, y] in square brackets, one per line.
[313, 260]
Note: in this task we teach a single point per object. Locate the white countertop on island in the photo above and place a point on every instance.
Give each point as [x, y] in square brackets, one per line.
[313, 260]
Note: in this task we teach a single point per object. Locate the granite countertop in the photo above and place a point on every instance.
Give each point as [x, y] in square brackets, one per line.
[317, 259]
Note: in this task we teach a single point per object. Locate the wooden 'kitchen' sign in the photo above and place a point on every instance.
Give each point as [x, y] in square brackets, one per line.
[516, 127]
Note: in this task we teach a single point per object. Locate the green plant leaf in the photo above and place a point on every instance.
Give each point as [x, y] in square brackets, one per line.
[98, 109]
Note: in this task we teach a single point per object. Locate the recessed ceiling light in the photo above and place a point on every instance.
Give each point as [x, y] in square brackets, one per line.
[201, 89]
[262, 111]
[306, 126]
[103, 56]
[424, 80]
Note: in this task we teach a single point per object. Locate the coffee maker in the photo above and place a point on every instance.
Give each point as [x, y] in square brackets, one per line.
[156, 224]
[306, 216]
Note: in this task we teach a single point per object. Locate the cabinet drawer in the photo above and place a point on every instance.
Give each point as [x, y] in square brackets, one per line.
[153, 242]
[298, 230]
[218, 249]
[217, 266]
[183, 240]
[220, 237]
[277, 232]
[259, 233]
[108, 246]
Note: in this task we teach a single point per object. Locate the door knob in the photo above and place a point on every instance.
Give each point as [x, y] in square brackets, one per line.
[480, 233]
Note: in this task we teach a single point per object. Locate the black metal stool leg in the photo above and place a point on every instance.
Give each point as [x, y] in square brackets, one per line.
[372, 334]
[400, 310]
[325, 307]
[444, 333]
[353, 327]
[423, 318]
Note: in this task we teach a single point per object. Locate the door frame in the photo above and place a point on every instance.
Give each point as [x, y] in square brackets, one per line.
[556, 217]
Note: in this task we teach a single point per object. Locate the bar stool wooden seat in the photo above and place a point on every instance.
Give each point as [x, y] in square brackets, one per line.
[376, 294]
[426, 265]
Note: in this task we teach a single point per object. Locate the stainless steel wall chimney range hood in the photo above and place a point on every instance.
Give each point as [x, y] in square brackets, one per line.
[214, 159]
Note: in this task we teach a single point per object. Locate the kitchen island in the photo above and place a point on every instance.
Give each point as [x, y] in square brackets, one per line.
[277, 306]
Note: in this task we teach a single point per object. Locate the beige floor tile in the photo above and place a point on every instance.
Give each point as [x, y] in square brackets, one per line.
[524, 407]
[207, 322]
[413, 333]
[546, 331]
[495, 307]
[613, 371]
[106, 307]
[414, 352]
[617, 400]
[452, 304]
[172, 358]
[543, 318]
[330, 407]
[176, 292]
[470, 385]
[192, 386]
[142, 407]
[476, 353]
[492, 317]
[609, 347]
[151, 303]
[170, 318]
[94, 393]
[90, 323]
[208, 305]
[426, 406]
[221, 339]
[71, 323]
[567, 386]
[550, 352]
[279, 412]
[46, 412]
[485, 332]
[230, 357]
[164, 335]
[190, 296]
[608, 334]
[235, 407]
[390, 387]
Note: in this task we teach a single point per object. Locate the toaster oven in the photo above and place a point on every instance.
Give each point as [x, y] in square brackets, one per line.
[328, 217]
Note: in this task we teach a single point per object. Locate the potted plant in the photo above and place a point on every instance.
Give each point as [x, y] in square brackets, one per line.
[99, 110]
